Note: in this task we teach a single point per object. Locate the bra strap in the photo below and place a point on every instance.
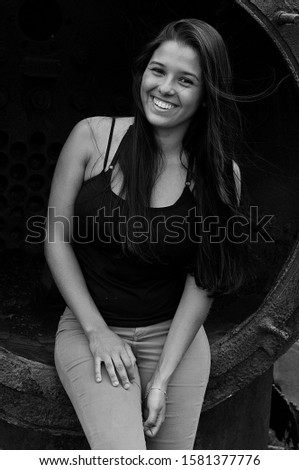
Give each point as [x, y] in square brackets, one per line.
[109, 142]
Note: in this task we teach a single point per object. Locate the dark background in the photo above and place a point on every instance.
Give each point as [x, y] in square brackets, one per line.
[62, 61]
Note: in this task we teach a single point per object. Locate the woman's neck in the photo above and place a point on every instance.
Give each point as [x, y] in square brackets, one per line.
[170, 142]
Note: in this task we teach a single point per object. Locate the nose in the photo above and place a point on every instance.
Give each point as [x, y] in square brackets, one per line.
[166, 87]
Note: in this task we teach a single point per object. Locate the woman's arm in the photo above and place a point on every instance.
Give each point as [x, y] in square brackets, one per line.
[67, 180]
[190, 315]
[105, 345]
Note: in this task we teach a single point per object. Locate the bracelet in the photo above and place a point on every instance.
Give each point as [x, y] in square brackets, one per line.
[155, 388]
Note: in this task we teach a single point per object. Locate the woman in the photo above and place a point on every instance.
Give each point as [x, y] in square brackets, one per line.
[136, 268]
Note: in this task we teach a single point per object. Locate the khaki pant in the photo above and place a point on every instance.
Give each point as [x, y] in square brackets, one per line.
[111, 417]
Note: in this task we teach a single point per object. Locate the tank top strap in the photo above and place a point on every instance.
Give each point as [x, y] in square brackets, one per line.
[119, 149]
[109, 142]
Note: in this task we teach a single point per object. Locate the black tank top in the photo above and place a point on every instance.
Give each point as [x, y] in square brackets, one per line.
[127, 290]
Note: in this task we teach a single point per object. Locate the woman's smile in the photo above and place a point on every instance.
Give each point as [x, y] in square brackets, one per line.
[163, 105]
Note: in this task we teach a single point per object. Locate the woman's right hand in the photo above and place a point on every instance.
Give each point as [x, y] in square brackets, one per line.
[107, 347]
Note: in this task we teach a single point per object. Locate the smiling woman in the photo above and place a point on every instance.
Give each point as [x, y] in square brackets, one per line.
[131, 349]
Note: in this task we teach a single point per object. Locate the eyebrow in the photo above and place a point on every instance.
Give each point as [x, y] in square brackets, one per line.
[183, 72]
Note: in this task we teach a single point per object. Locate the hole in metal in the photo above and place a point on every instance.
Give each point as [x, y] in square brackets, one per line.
[4, 138]
[3, 183]
[37, 139]
[18, 171]
[18, 149]
[3, 159]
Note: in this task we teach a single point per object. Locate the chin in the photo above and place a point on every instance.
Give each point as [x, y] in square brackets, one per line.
[159, 121]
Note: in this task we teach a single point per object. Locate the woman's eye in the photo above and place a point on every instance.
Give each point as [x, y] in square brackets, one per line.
[186, 81]
[157, 70]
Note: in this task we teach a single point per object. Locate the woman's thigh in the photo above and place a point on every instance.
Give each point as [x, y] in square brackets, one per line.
[111, 417]
[185, 390]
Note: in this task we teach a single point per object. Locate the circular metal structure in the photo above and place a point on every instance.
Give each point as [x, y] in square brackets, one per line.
[31, 394]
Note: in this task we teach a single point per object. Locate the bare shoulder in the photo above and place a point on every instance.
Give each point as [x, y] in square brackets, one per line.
[95, 129]
[100, 124]
[84, 146]
[98, 129]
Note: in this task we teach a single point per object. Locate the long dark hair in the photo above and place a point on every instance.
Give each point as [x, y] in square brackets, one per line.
[210, 144]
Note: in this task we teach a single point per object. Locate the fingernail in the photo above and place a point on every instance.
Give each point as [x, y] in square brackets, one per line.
[98, 379]
[115, 384]
[126, 386]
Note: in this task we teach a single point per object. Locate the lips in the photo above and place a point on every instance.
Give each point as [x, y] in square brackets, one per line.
[163, 105]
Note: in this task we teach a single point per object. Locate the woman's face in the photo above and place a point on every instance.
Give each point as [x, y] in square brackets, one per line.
[171, 88]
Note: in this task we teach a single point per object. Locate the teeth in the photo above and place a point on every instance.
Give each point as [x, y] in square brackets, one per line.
[162, 104]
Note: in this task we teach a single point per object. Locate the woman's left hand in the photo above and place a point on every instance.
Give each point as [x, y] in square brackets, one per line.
[154, 410]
